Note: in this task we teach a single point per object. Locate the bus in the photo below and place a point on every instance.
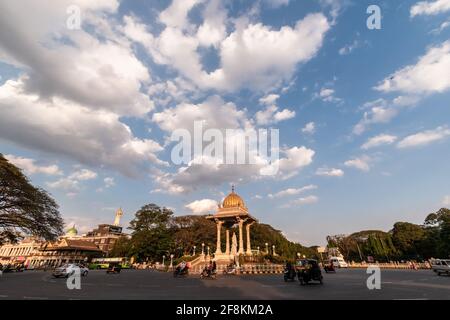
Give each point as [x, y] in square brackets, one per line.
[103, 263]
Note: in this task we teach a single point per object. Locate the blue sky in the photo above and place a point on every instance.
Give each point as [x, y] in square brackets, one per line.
[363, 114]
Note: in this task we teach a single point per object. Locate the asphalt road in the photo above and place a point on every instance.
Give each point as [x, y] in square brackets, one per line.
[147, 284]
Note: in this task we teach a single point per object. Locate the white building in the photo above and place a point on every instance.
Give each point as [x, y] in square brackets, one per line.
[19, 252]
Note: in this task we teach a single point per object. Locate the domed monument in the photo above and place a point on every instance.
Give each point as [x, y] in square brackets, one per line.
[232, 211]
[72, 232]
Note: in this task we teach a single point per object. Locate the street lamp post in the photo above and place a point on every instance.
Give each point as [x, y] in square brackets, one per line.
[203, 249]
[267, 248]
[258, 250]
[171, 261]
[208, 250]
[194, 251]
[164, 258]
[273, 250]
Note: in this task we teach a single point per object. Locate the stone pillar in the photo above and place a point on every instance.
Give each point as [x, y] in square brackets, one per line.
[227, 245]
[218, 245]
[249, 247]
[241, 236]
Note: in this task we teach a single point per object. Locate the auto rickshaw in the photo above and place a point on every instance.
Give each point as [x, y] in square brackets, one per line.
[114, 268]
[308, 270]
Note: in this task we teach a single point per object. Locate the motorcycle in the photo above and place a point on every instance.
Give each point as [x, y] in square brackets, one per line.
[230, 270]
[329, 267]
[309, 270]
[206, 274]
[180, 272]
[289, 274]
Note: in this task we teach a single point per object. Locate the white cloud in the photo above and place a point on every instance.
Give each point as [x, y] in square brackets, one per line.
[327, 95]
[380, 111]
[269, 99]
[302, 201]
[60, 63]
[333, 172]
[382, 139]
[64, 128]
[72, 183]
[109, 182]
[442, 27]
[83, 174]
[252, 56]
[424, 138]
[310, 128]
[271, 115]
[204, 206]
[427, 76]
[292, 191]
[361, 163]
[430, 7]
[30, 166]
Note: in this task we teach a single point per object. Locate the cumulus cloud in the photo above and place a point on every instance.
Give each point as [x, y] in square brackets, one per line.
[361, 163]
[30, 166]
[204, 206]
[271, 115]
[72, 65]
[327, 95]
[425, 77]
[72, 183]
[253, 56]
[63, 127]
[330, 172]
[379, 111]
[430, 7]
[424, 138]
[310, 128]
[382, 139]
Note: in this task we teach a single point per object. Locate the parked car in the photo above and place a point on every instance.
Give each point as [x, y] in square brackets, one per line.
[68, 269]
[441, 266]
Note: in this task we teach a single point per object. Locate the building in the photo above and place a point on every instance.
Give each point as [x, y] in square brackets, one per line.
[54, 254]
[14, 253]
[106, 235]
[70, 248]
[232, 211]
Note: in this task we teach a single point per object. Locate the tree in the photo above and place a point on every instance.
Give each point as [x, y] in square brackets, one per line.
[406, 237]
[25, 209]
[151, 237]
[151, 217]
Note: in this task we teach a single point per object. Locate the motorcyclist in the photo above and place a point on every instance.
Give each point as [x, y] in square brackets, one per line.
[181, 268]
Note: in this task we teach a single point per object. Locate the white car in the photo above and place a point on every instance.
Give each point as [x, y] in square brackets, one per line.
[441, 266]
[68, 269]
[338, 262]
